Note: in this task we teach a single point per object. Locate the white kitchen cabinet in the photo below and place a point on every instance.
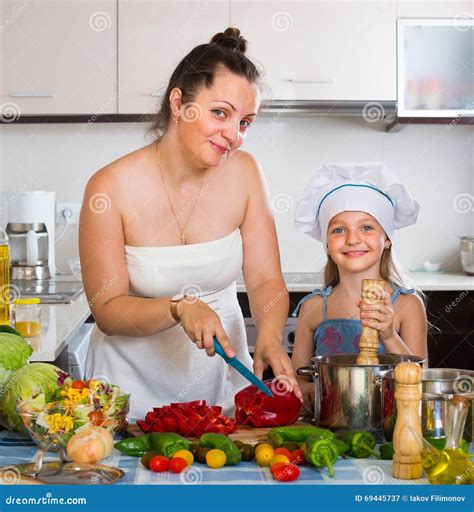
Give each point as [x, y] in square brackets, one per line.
[435, 9]
[154, 36]
[322, 50]
[58, 56]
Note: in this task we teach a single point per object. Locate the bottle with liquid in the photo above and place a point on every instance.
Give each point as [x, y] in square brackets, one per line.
[4, 279]
[450, 465]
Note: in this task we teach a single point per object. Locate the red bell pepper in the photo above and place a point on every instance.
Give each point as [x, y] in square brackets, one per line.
[187, 419]
[254, 407]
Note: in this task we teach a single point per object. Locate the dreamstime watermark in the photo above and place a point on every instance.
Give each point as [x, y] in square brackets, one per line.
[9, 475]
[449, 307]
[190, 385]
[9, 112]
[100, 202]
[107, 283]
[282, 21]
[278, 115]
[94, 117]
[189, 205]
[190, 112]
[100, 21]
[190, 23]
[191, 475]
[373, 475]
[275, 300]
[192, 292]
[464, 384]
[281, 385]
[19, 11]
[282, 203]
[463, 203]
[463, 21]
[373, 112]
[457, 119]
[13, 198]
[9, 293]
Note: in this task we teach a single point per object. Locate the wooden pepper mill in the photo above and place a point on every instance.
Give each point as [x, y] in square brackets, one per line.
[407, 436]
[369, 338]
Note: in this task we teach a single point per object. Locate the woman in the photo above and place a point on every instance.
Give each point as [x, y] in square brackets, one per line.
[166, 230]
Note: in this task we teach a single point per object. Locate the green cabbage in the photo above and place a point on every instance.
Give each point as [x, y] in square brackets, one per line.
[14, 354]
[28, 382]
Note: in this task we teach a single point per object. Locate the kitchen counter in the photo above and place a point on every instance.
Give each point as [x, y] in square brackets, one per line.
[426, 281]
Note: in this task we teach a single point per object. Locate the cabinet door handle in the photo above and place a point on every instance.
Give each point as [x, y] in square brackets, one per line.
[308, 80]
[31, 94]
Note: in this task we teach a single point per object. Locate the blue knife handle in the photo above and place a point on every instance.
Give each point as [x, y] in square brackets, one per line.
[220, 351]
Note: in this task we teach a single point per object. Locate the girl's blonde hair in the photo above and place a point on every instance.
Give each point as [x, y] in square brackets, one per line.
[390, 271]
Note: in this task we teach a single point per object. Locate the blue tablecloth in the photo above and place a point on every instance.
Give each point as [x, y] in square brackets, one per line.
[17, 449]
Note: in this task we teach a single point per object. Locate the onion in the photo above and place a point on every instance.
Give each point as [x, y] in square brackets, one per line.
[90, 445]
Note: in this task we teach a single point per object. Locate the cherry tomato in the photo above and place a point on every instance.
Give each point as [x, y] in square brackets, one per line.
[177, 464]
[297, 456]
[78, 384]
[286, 473]
[283, 451]
[97, 418]
[159, 463]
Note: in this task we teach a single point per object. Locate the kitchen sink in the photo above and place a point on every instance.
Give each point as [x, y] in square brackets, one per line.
[48, 291]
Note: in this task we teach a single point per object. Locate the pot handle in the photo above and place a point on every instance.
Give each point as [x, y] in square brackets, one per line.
[306, 371]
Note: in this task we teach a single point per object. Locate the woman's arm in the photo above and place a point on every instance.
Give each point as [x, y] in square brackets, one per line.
[104, 271]
[264, 282]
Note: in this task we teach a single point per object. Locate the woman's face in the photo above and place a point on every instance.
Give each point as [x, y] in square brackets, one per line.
[215, 123]
[355, 241]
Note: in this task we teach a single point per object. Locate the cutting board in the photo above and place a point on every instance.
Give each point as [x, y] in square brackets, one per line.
[243, 433]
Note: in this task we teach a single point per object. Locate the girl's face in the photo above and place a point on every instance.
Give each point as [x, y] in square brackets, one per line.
[215, 124]
[355, 241]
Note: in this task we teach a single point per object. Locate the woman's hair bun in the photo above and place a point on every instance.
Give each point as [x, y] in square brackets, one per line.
[230, 38]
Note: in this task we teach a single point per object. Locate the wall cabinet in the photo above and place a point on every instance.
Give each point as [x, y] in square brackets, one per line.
[58, 57]
[322, 50]
[153, 38]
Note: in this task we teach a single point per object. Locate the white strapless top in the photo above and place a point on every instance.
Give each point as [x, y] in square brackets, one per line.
[168, 367]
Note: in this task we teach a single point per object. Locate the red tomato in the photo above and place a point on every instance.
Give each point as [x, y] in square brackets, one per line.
[78, 384]
[297, 456]
[283, 451]
[97, 418]
[177, 464]
[286, 473]
[159, 463]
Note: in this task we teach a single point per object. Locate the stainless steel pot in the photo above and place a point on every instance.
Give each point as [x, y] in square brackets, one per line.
[348, 395]
[438, 385]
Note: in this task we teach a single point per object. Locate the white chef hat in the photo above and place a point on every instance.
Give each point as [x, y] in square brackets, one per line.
[364, 186]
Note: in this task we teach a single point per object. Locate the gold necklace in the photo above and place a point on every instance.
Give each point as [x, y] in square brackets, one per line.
[195, 198]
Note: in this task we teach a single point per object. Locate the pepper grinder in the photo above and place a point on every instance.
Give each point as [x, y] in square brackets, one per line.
[372, 293]
[407, 435]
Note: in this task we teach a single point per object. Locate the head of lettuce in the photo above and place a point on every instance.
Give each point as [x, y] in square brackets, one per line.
[35, 380]
[14, 354]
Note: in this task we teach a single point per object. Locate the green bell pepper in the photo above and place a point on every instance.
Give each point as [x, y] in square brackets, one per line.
[134, 446]
[222, 442]
[297, 434]
[321, 452]
[165, 443]
[361, 443]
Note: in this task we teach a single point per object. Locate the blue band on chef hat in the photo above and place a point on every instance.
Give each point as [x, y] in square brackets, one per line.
[352, 185]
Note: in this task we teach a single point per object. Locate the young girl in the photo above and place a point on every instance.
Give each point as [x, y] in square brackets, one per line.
[353, 209]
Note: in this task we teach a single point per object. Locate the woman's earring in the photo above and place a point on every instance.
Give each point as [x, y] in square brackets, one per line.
[387, 246]
[176, 118]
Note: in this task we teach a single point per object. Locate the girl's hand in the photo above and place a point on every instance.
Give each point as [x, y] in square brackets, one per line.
[378, 316]
[201, 323]
[272, 354]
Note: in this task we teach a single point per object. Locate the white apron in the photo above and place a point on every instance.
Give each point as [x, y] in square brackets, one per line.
[168, 367]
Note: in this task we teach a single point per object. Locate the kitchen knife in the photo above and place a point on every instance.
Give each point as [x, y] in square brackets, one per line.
[243, 370]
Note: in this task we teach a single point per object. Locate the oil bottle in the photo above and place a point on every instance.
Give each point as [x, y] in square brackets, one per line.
[450, 465]
[4, 279]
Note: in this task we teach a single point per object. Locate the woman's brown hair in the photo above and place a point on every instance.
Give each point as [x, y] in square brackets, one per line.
[198, 69]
